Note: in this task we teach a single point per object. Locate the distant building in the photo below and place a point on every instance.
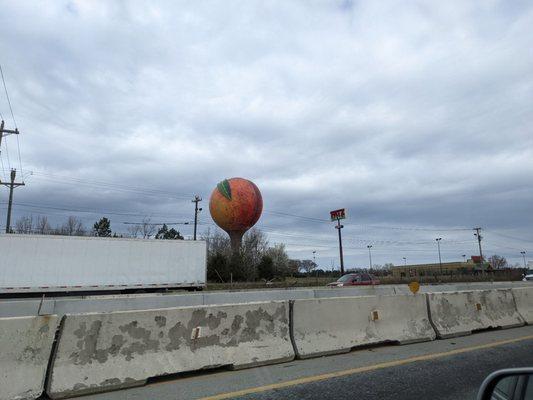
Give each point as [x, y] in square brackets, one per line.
[448, 268]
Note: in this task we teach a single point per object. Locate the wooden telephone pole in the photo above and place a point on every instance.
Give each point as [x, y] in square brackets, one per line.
[196, 200]
[12, 184]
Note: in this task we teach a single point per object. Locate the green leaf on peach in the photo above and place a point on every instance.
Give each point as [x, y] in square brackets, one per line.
[225, 189]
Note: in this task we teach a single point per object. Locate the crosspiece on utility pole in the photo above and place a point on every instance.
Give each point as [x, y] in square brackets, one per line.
[196, 200]
[6, 132]
[11, 185]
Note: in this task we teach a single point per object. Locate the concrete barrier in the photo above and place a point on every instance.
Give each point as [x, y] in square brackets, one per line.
[355, 291]
[461, 313]
[111, 303]
[524, 303]
[25, 347]
[336, 325]
[100, 352]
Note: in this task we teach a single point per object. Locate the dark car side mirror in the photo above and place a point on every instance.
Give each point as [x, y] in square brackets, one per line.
[508, 384]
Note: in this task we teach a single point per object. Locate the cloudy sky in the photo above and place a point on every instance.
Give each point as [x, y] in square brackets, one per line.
[417, 117]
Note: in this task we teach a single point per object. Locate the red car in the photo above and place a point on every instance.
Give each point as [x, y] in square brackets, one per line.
[358, 279]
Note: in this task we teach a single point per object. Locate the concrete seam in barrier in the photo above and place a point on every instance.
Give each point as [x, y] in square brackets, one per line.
[53, 352]
[291, 329]
[430, 318]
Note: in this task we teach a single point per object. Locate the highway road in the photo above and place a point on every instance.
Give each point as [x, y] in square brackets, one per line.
[438, 370]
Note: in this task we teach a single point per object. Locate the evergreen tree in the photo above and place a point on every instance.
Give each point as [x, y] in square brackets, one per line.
[169, 234]
[102, 228]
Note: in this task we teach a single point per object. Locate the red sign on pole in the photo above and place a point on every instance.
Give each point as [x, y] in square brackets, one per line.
[338, 214]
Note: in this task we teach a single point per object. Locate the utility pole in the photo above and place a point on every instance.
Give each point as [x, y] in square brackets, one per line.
[339, 227]
[440, 259]
[11, 185]
[479, 237]
[369, 255]
[6, 132]
[196, 200]
[524, 256]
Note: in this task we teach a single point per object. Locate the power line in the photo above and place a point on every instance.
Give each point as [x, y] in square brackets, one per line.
[14, 122]
[108, 185]
[508, 236]
[20, 158]
[409, 228]
[268, 229]
[7, 96]
[297, 216]
[3, 168]
[90, 211]
[157, 223]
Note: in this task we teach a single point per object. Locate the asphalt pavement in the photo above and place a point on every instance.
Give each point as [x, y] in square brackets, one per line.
[439, 370]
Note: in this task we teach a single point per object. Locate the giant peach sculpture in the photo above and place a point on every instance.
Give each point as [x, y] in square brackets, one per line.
[236, 205]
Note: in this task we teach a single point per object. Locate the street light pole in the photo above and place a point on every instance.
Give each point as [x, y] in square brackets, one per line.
[369, 254]
[314, 262]
[464, 257]
[440, 259]
[524, 256]
[404, 261]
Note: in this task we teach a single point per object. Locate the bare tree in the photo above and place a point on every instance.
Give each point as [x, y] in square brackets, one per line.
[254, 246]
[280, 259]
[134, 230]
[497, 261]
[73, 227]
[42, 226]
[217, 242]
[308, 266]
[147, 228]
[24, 224]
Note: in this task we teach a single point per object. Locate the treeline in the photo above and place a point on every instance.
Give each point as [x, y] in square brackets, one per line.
[74, 226]
[257, 260]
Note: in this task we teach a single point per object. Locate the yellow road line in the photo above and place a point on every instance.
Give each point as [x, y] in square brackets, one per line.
[352, 371]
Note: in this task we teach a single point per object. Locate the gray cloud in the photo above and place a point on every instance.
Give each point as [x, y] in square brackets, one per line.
[409, 115]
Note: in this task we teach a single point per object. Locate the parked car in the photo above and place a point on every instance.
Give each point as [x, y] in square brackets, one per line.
[358, 279]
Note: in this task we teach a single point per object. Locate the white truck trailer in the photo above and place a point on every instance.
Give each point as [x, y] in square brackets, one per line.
[61, 264]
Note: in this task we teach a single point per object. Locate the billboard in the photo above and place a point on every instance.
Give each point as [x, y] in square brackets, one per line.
[338, 214]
